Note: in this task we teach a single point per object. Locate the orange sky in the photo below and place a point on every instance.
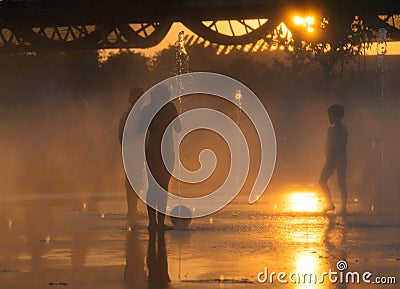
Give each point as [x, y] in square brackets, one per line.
[393, 48]
[169, 39]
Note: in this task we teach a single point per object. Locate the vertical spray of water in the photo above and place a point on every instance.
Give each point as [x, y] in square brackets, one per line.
[181, 56]
[238, 100]
[182, 62]
[381, 49]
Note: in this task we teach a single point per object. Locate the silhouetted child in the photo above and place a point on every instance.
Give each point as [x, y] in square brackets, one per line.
[131, 196]
[336, 158]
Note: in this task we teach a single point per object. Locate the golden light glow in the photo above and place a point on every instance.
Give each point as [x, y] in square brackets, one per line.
[305, 202]
[307, 22]
[285, 32]
[238, 95]
[47, 238]
[220, 49]
[307, 263]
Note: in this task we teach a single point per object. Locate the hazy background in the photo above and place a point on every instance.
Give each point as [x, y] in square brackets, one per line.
[60, 114]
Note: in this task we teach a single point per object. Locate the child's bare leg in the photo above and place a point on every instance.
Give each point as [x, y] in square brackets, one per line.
[326, 173]
[162, 204]
[341, 173]
[131, 199]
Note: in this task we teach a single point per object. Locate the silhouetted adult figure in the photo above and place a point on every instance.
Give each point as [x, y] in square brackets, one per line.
[336, 157]
[157, 132]
[157, 262]
[131, 196]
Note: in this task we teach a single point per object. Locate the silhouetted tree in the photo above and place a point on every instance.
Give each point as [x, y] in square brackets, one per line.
[335, 37]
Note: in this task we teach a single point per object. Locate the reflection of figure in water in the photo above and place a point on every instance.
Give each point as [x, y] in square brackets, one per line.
[131, 196]
[335, 240]
[134, 275]
[156, 132]
[157, 261]
[336, 159]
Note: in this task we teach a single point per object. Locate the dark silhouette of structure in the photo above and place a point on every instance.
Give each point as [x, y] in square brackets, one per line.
[35, 25]
[336, 157]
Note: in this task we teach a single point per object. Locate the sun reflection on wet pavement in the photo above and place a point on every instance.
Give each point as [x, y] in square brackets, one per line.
[85, 251]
